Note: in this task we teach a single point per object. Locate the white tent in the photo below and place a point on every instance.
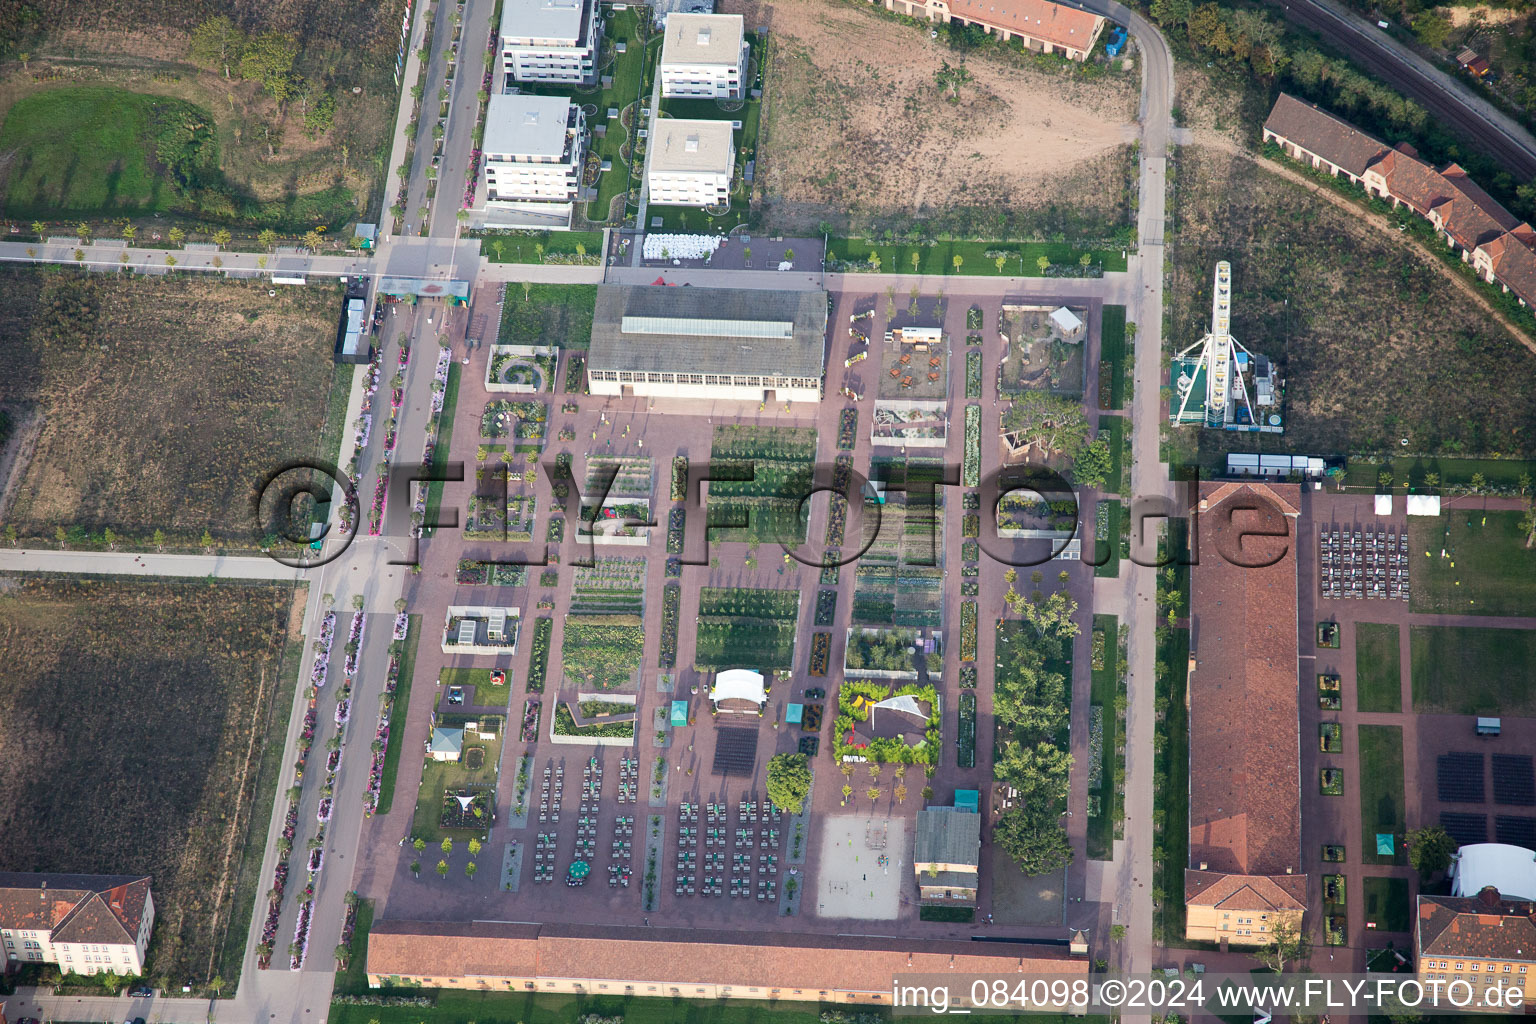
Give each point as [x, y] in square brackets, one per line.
[1509, 869]
[739, 684]
[906, 703]
[1384, 504]
[1423, 504]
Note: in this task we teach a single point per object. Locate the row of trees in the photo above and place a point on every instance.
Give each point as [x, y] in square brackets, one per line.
[1031, 701]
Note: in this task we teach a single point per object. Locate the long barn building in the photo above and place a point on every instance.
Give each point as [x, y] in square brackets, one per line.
[712, 343]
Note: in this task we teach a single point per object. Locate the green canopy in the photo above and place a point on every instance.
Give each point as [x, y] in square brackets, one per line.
[580, 869]
[1385, 844]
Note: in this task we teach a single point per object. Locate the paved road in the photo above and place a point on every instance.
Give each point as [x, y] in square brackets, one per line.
[127, 563]
[1448, 100]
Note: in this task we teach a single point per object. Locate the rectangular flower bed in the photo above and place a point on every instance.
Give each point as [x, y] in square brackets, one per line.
[966, 756]
[821, 650]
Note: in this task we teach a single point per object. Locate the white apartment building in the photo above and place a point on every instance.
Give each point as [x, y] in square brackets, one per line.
[704, 56]
[86, 924]
[550, 40]
[534, 147]
[690, 162]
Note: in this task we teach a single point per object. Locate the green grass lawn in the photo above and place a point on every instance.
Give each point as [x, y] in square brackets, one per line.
[1378, 668]
[628, 73]
[1171, 799]
[1112, 350]
[485, 695]
[548, 314]
[1386, 903]
[90, 151]
[402, 702]
[1487, 569]
[1022, 260]
[1381, 790]
[453, 1007]
[1112, 429]
[1113, 511]
[1101, 826]
[441, 450]
[1454, 473]
[525, 246]
[1471, 670]
[354, 980]
[438, 776]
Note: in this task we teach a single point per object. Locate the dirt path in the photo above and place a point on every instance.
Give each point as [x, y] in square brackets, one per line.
[17, 452]
[1215, 140]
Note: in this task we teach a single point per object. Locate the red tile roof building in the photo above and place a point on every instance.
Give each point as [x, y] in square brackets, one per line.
[1483, 940]
[1471, 221]
[685, 963]
[1245, 737]
[88, 924]
[1039, 24]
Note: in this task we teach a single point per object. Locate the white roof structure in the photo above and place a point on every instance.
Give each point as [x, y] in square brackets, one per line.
[544, 20]
[682, 145]
[1384, 504]
[739, 684]
[1065, 320]
[702, 39]
[526, 126]
[1509, 869]
[905, 703]
[1423, 504]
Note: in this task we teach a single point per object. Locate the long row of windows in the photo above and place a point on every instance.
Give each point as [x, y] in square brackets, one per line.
[1444, 965]
[726, 380]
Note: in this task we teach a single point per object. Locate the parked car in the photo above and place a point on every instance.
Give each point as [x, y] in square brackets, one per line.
[141, 992]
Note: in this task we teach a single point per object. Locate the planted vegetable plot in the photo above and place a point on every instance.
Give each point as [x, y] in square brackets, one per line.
[890, 595]
[525, 422]
[631, 477]
[973, 374]
[741, 627]
[610, 586]
[778, 461]
[538, 663]
[965, 757]
[671, 606]
[602, 651]
[970, 470]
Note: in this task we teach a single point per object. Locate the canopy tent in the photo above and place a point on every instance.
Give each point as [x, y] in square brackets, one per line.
[1386, 844]
[679, 712]
[794, 714]
[580, 869]
[968, 800]
[739, 684]
[904, 703]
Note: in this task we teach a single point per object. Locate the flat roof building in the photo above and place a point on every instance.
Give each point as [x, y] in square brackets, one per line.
[534, 148]
[703, 55]
[1245, 860]
[550, 40]
[947, 856]
[690, 163]
[747, 344]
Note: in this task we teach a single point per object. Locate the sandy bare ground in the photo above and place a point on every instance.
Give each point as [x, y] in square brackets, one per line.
[856, 121]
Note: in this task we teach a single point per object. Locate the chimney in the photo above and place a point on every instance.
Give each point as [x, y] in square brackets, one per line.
[1489, 897]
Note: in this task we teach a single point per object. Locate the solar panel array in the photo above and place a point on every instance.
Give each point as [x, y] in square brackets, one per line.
[1465, 828]
[1459, 778]
[1514, 780]
[1514, 829]
[735, 751]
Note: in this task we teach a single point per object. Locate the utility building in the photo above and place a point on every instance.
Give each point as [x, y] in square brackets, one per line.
[749, 344]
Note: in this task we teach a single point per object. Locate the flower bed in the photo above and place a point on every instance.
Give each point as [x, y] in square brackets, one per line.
[973, 375]
[1096, 748]
[476, 815]
[343, 711]
[1330, 738]
[967, 677]
[317, 673]
[965, 757]
[671, 608]
[1098, 649]
[402, 626]
[538, 663]
[1331, 782]
[970, 551]
[970, 469]
[821, 651]
[380, 747]
[354, 644]
[847, 429]
[472, 573]
[968, 631]
[565, 723]
[884, 749]
[826, 607]
[323, 814]
[531, 710]
[680, 478]
[676, 521]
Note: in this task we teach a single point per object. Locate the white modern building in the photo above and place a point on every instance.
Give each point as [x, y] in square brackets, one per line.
[86, 924]
[747, 344]
[690, 162]
[550, 40]
[704, 56]
[534, 147]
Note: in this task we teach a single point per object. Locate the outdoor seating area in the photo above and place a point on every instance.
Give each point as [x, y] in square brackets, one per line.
[1365, 564]
[753, 868]
[590, 829]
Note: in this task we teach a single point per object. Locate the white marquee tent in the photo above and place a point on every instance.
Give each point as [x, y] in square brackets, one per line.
[739, 684]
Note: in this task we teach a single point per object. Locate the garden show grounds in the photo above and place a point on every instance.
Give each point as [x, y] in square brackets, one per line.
[603, 650]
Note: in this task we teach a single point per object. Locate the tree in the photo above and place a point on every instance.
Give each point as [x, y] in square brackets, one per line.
[129, 232]
[1044, 263]
[38, 227]
[83, 231]
[176, 236]
[207, 538]
[474, 847]
[789, 255]
[873, 792]
[415, 869]
[847, 792]
[442, 869]
[1431, 480]
[267, 239]
[1050, 422]
[957, 260]
[1085, 260]
[1117, 932]
[170, 260]
[1479, 483]
[268, 59]
[789, 780]
[447, 844]
[1203, 23]
[900, 793]
[25, 58]
[1037, 844]
[215, 44]
[109, 538]
[221, 237]
[419, 845]
[1287, 944]
[917, 258]
[1171, 12]
[998, 262]
[470, 869]
[1432, 28]
[313, 240]
[1092, 466]
[159, 539]
[217, 983]
[1429, 849]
